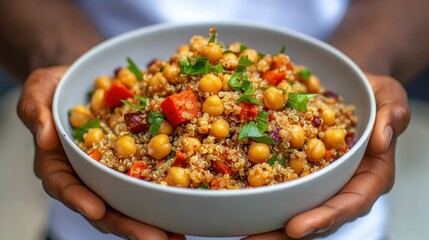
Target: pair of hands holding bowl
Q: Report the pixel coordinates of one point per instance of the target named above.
(374, 176)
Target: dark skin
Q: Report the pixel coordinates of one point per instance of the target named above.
(376, 34)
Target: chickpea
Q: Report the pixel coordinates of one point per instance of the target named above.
(171, 73)
(79, 116)
(213, 106)
(229, 60)
(313, 84)
(165, 127)
(274, 98)
(219, 129)
(252, 54)
(97, 100)
(260, 177)
(225, 85)
(92, 136)
(286, 86)
(159, 146)
(197, 43)
(157, 82)
(178, 177)
(210, 83)
(103, 82)
(190, 145)
(212, 51)
(127, 77)
(297, 136)
(183, 49)
(328, 116)
(125, 147)
(259, 152)
(315, 150)
(334, 138)
(297, 164)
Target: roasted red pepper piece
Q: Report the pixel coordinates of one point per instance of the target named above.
(180, 159)
(273, 77)
(220, 166)
(95, 154)
(137, 168)
(248, 111)
(180, 107)
(116, 93)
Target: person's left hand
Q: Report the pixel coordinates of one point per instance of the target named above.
(373, 178)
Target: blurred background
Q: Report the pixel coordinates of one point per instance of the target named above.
(24, 204)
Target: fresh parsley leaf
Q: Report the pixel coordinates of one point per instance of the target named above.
(243, 47)
(142, 103)
(243, 63)
(275, 158)
(247, 94)
(200, 66)
(305, 73)
(154, 119)
(204, 186)
(171, 155)
(262, 121)
(213, 37)
(265, 87)
(282, 50)
(299, 100)
(132, 66)
(78, 133)
(250, 130)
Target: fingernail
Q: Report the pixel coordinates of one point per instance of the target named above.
(388, 134)
(81, 212)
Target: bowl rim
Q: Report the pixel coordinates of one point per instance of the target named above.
(203, 192)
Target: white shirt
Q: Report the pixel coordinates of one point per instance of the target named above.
(317, 18)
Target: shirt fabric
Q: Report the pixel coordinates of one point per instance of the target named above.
(317, 18)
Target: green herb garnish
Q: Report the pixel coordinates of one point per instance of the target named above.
(305, 73)
(282, 50)
(243, 63)
(154, 119)
(256, 130)
(204, 186)
(299, 100)
(277, 158)
(171, 155)
(78, 133)
(132, 66)
(142, 103)
(213, 37)
(200, 66)
(247, 96)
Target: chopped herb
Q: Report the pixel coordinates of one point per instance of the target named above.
(282, 50)
(251, 130)
(299, 100)
(262, 121)
(275, 158)
(305, 73)
(243, 63)
(80, 131)
(90, 93)
(134, 69)
(265, 87)
(171, 155)
(204, 186)
(213, 37)
(242, 47)
(154, 119)
(201, 66)
(142, 103)
(247, 96)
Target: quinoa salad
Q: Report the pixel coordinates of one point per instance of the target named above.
(214, 115)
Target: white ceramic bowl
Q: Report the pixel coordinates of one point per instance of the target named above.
(206, 212)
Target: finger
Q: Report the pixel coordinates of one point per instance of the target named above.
(393, 112)
(125, 227)
(34, 107)
(371, 180)
(61, 183)
(274, 235)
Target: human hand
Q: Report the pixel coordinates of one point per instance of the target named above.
(373, 178)
(53, 168)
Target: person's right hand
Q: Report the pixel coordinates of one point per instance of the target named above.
(53, 168)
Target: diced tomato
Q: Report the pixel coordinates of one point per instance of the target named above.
(180, 107)
(248, 111)
(180, 159)
(271, 118)
(95, 154)
(220, 166)
(137, 168)
(273, 77)
(117, 92)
